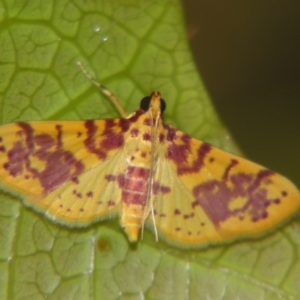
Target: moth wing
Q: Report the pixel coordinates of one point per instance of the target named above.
(60, 168)
(210, 196)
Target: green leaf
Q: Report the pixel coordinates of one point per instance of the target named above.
(133, 47)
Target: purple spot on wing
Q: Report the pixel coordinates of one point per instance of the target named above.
(44, 140)
(100, 143)
(147, 122)
(146, 136)
(215, 196)
(90, 194)
(165, 189)
(110, 177)
(161, 137)
(60, 165)
(59, 136)
(75, 180)
(177, 211)
(124, 124)
(111, 203)
(179, 153)
(91, 140)
(134, 132)
(112, 141)
(232, 164)
(276, 201)
(171, 133)
(262, 175)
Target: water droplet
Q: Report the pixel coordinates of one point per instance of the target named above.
(96, 27)
(104, 38)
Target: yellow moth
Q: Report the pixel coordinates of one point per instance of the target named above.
(147, 173)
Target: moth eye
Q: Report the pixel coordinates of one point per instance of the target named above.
(145, 103)
(163, 105)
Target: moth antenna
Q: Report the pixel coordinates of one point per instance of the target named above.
(104, 90)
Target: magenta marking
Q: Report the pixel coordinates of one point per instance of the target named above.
(134, 132)
(135, 116)
(90, 141)
(232, 164)
(110, 139)
(44, 140)
(109, 124)
(215, 196)
(110, 177)
(111, 203)
(147, 122)
(77, 194)
(146, 136)
(2, 149)
(75, 180)
(156, 188)
(161, 137)
(135, 185)
(121, 179)
(179, 154)
(59, 136)
(165, 189)
(262, 175)
(60, 165)
(177, 211)
(171, 135)
(124, 124)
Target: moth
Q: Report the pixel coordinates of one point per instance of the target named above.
(145, 172)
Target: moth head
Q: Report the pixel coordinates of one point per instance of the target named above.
(154, 102)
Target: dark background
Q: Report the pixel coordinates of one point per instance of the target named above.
(248, 53)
